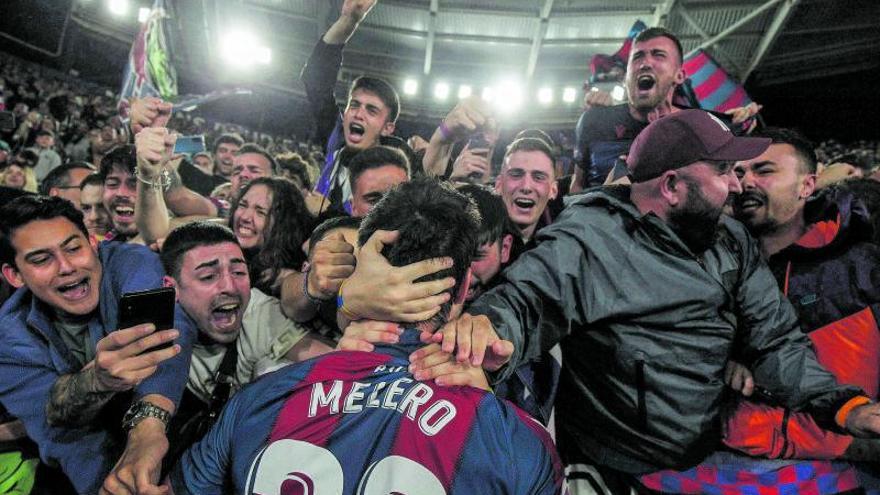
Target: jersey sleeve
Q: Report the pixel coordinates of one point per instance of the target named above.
(538, 468)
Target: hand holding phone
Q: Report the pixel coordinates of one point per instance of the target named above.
(144, 339)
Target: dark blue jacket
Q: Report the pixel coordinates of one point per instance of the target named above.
(33, 357)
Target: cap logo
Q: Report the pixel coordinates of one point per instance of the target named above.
(717, 120)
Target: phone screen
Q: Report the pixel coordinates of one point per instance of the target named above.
(154, 306)
(189, 145)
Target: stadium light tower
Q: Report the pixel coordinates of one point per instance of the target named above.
(441, 91)
(410, 87)
(569, 94)
(545, 96)
(464, 91)
(118, 7)
(241, 49)
(509, 96)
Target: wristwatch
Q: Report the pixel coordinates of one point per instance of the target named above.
(142, 410)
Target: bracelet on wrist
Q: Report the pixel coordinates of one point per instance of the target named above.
(305, 288)
(161, 182)
(444, 131)
(340, 305)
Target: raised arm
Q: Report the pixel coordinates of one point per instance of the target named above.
(321, 71)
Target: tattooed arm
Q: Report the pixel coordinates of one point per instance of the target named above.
(75, 400)
(120, 364)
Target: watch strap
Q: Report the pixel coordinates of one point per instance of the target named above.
(142, 410)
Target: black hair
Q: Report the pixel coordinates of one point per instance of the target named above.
(26, 157)
(228, 138)
(375, 157)
(288, 225)
(495, 222)
(434, 220)
(660, 32)
(92, 180)
(26, 209)
(381, 88)
(532, 144)
(802, 146)
(122, 157)
(295, 164)
(340, 222)
(259, 150)
(189, 236)
(60, 175)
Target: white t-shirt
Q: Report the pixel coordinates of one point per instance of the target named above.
(266, 337)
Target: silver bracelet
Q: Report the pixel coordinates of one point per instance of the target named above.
(161, 183)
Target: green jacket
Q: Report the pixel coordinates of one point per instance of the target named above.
(646, 328)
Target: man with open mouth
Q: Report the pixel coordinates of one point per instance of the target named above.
(526, 183)
(370, 112)
(65, 366)
(604, 133)
(120, 192)
(236, 322)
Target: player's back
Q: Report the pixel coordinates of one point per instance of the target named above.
(357, 423)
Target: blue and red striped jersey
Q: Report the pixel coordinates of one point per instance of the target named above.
(358, 423)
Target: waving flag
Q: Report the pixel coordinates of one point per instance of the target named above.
(714, 88)
(149, 71)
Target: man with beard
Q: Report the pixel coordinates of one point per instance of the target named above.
(820, 251)
(649, 296)
(120, 191)
(604, 133)
(370, 113)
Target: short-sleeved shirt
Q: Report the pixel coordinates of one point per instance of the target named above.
(266, 336)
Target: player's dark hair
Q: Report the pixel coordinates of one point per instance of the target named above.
(434, 220)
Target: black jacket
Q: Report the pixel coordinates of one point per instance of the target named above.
(646, 328)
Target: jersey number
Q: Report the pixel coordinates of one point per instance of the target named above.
(294, 467)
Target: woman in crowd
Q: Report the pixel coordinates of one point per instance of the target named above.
(271, 222)
(18, 176)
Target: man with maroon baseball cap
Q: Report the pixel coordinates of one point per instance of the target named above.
(681, 168)
(649, 291)
(687, 137)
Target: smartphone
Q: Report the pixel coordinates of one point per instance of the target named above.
(189, 145)
(478, 141)
(154, 306)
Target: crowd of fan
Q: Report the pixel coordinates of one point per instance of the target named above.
(589, 314)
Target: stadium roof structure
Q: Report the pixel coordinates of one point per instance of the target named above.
(530, 44)
(550, 42)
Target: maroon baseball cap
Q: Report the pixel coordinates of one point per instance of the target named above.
(684, 137)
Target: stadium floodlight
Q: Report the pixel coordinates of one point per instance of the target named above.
(545, 96)
(488, 94)
(509, 96)
(143, 14)
(241, 49)
(618, 93)
(410, 87)
(441, 91)
(264, 55)
(569, 94)
(464, 91)
(118, 7)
